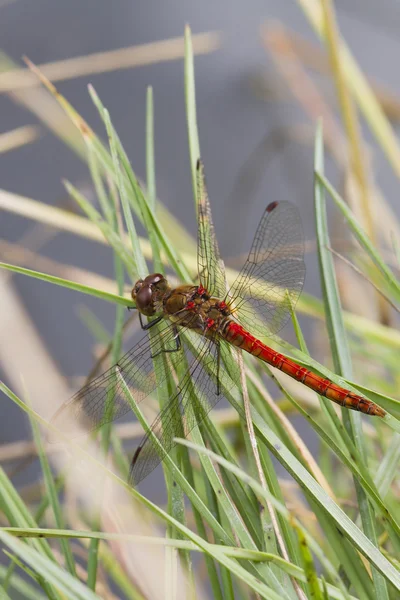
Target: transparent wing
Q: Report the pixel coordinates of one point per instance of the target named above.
(273, 275)
(103, 400)
(198, 392)
(210, 266)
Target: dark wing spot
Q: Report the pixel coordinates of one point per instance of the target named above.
(271, 206)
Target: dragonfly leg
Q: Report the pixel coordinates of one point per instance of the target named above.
(145, 326)
(178, 344)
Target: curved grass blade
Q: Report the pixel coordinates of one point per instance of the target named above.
(388, 275)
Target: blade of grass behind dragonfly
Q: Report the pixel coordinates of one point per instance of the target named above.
(200, 194)
(340, 352)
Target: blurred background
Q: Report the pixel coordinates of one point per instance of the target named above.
(261, 83)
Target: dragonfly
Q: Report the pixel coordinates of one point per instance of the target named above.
(257, 306)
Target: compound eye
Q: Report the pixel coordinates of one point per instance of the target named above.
(144, 299)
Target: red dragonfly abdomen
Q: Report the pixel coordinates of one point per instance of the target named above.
(238, 336)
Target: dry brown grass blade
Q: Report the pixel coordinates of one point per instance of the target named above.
(356, 150)
(277, 43)
(361, 91)
(18, 255)
(315, 57)
(112, 60)
(56, 217)
(10, 140)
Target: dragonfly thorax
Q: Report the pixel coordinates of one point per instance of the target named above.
(148, 294)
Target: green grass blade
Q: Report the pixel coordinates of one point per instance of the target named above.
(388, 275)
(333, 309)
(18, 514)
(21, 586)
(113, 239)
(137, 199)
(51, 490)
(71, 285)
(190, 101)
(151, 177)
(313, 585)
(231, 551)
(140, 263)
(69, 586)
(150, 159)
(339, 348)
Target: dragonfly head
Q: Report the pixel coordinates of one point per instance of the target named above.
(148, 293)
